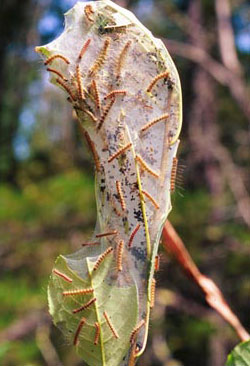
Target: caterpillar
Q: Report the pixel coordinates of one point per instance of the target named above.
(67, 88)
(120, 195)
(88, 10)
(115, 92)
(102, 257)
(151, 199)
(157, 263)
(111, 327)
(105, 113)
(58, 73)
(146, 167)
(120, 249)
(62, 275)
(173, 175)
(79, 328)
(101, 58)
(164, 75)
(152, 293)
(156, 120)
(84, 306)
(136, 330)
(82, 291)
(94, 152)
(52, 58)
(84, 49)
(109, 233)
(97, 333)
(79, 82)
(90, 114)
(130, 242)
(90, 243)
(121, 59)
(119, 152)
(97, 95)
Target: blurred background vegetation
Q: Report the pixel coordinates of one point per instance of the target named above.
(47, 203)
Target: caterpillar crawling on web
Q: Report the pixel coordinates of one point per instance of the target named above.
(117, 77)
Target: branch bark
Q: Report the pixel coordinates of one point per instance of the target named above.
(226, 36)
(218, 71)
(172, 243)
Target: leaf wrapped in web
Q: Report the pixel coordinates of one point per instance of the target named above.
(126, 92)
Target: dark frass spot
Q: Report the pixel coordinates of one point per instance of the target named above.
(138, 215)
(139, 254)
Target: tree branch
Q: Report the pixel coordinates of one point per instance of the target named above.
(226, 36)
(220, 73)
(172, 243)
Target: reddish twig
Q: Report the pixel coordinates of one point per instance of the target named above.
(172, 243)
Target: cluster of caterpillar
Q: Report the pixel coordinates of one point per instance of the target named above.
(85, 92)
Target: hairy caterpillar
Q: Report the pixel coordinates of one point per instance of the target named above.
(94, 152)
(67, 88)
(62, 275)
(83, 291)
(136, 330)
(120, 195)
(152, 295)
(157, 263)
(163, 75)
(84, 49)
(97, 95)
(156, 205)
(102, 257)
(84, 306)
(133, 235)
(173, 174)
(156, 120)
(79, 328)
(120, 249)
(97, 333)
(52, 58)
(88, 10)
(145, 166)
(121, 59)
(119, 152)
(109, 233)
(114, 332)
(79, 82)
(115, 92)
(101, 58)
(105, 113)
(58, 73)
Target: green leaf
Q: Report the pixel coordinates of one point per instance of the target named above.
(118, 299)
(240, 356)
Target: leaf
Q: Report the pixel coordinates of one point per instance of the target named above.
(240, 356)
(109, 350)
(126, 92)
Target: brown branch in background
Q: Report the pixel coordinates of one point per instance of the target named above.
(205, 138)
(226, 36)
(219, 72)
(46, 347)
(234, 179)
(25, 326)
(172, 243)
